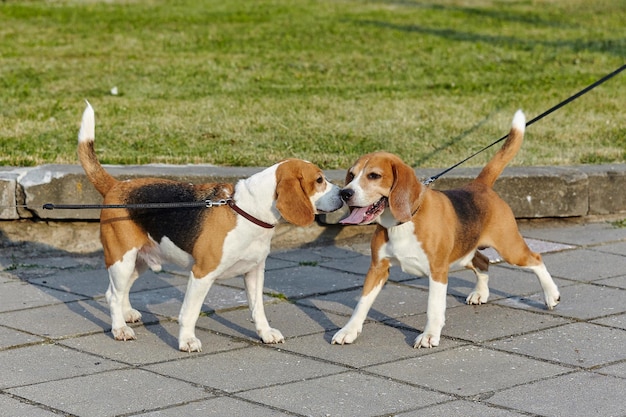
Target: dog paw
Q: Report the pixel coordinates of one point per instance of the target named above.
(345, 336)
(124, 333)
(476, 297)
(426, 340)
(552, 300)
(271, 336)
(190, 344)
(132, 316)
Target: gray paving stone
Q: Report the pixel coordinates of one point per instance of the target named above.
(461, 408)
(393, 301)
(582, 301)
(619, 282)
(586, 265)
(61, 320)
(244, 369)
(13, 407)
(291, 319)
(112, 393)
(584, 234)
(379, 343)
(480, 323)
(22, 295)
(46, 362)
(347, 394)
(455, 370)
(10, 338)
(315, 255)
(94, 283)
(616, 248)
(304, 281)
(619, 369)
(221, 406)
(618, 321)
(155, 343)
(579, 344)
(580, 394)
(6, 276)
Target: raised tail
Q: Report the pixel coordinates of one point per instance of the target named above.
(101, 179)
(496, 165)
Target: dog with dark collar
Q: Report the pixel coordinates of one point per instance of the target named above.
(425, 231)
(222, 241)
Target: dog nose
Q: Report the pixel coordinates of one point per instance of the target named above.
(346, 194)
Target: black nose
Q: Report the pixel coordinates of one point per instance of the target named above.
(346, 194)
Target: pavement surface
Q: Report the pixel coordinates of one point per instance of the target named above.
(509, 357)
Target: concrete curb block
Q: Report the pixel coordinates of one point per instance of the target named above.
(532, 192)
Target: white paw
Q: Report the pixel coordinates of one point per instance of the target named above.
(271, 336)
(190, 344)
(552, 300)
(132, 316)
(426, 340)
(346, 335)
(124, 333)
(477, 297)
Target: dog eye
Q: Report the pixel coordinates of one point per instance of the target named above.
(320, 180)
(374, 176)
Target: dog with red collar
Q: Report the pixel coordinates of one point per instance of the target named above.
(426, 231)
(222, 241)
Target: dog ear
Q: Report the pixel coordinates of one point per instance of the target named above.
(293, 203)
(405, 191)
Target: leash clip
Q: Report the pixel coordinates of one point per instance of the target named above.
(211, 203)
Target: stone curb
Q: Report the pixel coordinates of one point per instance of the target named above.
(532, 192)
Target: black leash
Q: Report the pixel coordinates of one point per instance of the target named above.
(432, 179)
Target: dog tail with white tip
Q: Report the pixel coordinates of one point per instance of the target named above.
(101, 179)
(496, 165)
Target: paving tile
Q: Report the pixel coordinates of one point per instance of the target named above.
(245, 369)
(155, 343)
(304, 281)
(393, 301)
(221, 406)
(618, 321)
(619, 369)
(579, 344)
(582, 301)
(347, 394)
(13, 407)
(585, 234)
(292, 320)
(585, 265)
(480, 323)
(7, 276)
(61, 320)
(455, 370)
(619, 282)
(10, 338)
(315, 255)
(46, 362)
(618, 248)
(461, 408)
(378, 343)
(580, 394)
(21, 295)
(94, 283)
(112, 393)
(168, 301)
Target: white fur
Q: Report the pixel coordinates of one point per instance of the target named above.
(436, 315)
(87, 130)
(353, 328)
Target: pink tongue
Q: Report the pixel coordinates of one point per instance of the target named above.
(357, 216)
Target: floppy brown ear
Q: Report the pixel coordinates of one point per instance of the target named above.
(292, 202)
(405, 191)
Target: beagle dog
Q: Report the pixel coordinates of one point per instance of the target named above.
(426, 231)
(222, 241)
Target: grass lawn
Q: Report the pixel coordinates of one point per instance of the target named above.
(248, 83)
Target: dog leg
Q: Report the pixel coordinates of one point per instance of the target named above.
(197, 290)
(480, 294)
(436, 314)
(551, 293)
(254, 288)
(374, 282)
(122, 274)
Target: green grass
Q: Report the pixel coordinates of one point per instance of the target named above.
(248, 83)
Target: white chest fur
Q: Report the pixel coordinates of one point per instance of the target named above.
(405, 250)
